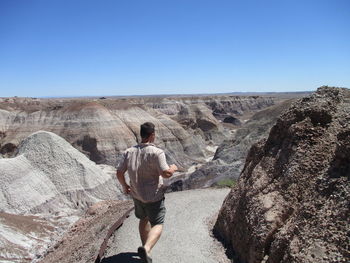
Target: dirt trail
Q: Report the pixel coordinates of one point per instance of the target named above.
(187, 233)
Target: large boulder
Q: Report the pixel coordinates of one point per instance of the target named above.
(291, 203)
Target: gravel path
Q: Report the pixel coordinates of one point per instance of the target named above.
(187, 231)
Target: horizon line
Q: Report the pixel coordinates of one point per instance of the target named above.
(163, 94)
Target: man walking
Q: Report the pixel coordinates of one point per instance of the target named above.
(146, 165)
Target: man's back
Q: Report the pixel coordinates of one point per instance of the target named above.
(145, 163)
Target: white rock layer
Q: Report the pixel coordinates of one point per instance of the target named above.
(49, 175)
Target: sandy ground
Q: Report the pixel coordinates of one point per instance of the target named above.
(187, 233)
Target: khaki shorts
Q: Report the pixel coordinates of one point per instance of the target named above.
(155, 212)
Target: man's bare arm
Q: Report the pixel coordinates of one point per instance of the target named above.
(121, 179)
(168, 173)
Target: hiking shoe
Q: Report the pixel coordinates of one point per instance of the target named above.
(143, 255)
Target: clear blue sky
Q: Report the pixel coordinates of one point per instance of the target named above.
(115, 47)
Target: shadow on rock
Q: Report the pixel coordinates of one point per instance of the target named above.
(128, 257)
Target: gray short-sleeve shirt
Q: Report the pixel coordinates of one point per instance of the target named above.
(144, 164)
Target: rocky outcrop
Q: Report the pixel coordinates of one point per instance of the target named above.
(291, 203)
(82, 242)
(48, 175)
(103, 129)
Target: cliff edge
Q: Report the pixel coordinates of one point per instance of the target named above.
(291, 203)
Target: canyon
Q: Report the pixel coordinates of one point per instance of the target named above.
(58, 157)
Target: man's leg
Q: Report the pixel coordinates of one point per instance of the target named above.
(153, 236)
(144, 228)
(155, 214)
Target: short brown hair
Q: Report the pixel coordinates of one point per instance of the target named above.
(146, 130)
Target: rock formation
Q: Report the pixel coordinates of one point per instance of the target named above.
(49, 175)
(291, 203)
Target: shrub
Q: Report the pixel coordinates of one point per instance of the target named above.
(226, 183)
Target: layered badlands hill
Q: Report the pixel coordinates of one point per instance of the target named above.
(104, 128)
(291, 203)
(48, 174)
(45, 188)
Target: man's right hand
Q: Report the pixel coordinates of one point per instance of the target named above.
(173, 167)
(168, 173)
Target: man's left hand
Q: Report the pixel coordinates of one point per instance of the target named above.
(126, 189)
